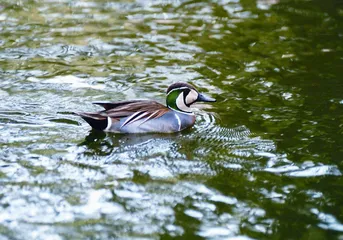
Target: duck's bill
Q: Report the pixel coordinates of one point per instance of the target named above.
(204, 98)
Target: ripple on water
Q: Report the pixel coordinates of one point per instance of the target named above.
(306, 169)
(240, 145)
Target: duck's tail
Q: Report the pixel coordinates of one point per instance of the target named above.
(95, 120)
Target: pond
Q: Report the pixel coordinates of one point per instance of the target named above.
(263, 162)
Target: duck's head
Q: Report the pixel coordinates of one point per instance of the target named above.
(180, 96)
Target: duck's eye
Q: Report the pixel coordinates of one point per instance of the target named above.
(191, 97)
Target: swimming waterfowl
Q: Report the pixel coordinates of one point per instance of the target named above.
(146, 116)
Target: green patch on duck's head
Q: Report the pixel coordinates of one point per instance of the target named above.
(173, 97)
(180, 96)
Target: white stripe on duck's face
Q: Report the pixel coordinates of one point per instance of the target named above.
(183, 102)
(180, 103)
(191, 97)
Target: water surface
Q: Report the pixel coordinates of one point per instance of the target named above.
(264, 162)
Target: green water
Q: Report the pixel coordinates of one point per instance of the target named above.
(264, 162)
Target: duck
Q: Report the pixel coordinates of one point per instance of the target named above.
(147, 116)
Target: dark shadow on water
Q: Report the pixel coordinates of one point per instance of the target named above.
(103, 144)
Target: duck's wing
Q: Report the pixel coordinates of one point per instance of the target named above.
(110, 105)
(132, 110)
